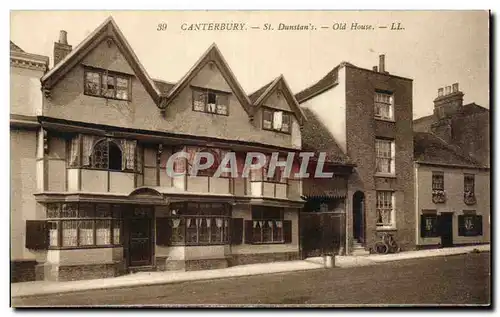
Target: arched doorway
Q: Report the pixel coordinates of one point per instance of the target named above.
(358, 216)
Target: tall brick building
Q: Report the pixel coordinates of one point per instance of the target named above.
(369, 113)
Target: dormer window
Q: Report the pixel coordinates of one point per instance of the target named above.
(276, 120)
(210, 101)
(102, 83)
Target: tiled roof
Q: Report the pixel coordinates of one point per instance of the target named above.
(14, 47)
(163, 86)
(316, 138)
(429, 148)
(327, 81)
(471, 108)
(255, 95)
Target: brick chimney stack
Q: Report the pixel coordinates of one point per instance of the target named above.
(381, 63)
(61, 48)
(448, 101)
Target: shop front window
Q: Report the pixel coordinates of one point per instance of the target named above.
(83, 225)
(195, 223)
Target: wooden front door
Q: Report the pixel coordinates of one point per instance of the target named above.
(446, 229)
(140, 225)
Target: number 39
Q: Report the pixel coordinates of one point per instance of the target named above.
(162, 27)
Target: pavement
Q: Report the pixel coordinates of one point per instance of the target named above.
(158, 278)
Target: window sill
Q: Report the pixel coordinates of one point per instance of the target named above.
(385, 175)
(386, 228)
(86, 247)
(277, 131)
(103, 97)
(385, 120)
(265, 243)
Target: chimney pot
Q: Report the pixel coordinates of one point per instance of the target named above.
(455, 87)
(448, 90)
(381, 63)
(61, 47)
(63, 37)
(375, 68)
(440, 92)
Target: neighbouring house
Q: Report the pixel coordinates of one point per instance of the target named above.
(452, 159)
(25, 105)
(369, 113)
(322, 221)
(452, 193)
(93, 197)
(466, 126)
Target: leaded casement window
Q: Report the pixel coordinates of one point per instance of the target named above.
(210, 101)
(102, 83)
(276, 120)
(193, 223)
(103, 153)
(469, 189)
(83, 225)
(385, 209)
(385, 153)
(470, 224)
(384, 106)
(267, 223)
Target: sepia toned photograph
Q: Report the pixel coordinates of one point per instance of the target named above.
(250, 159)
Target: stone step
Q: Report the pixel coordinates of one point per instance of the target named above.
(359, 252)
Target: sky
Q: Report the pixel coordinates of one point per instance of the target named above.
(435, 49)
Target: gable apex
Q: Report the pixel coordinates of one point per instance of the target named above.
(108, 29)
(212, 54)
(281, 84)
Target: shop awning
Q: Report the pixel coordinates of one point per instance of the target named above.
(335, 187)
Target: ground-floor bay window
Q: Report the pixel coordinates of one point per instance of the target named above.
(193, 223)
(83, 225)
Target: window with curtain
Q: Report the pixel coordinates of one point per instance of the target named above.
(276, 120)
(104, 153)
(267, 224)
(469, 189)
(385, 209)
(73, 225)
(384, 106)
(384, 151)
(194, 223)
(102, 83)
(210, 101)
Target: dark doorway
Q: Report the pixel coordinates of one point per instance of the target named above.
(358, 216)
(140, 232)
(446, 229)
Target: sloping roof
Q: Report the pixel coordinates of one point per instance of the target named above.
(256, 94)
(280, 83)
(328, 81)
(316, 138)
(14, 47)
(428, 148)
(108, 28)
(212, 54)
(472, 108)
(163, 86)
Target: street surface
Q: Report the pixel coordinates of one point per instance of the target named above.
(459, 279)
